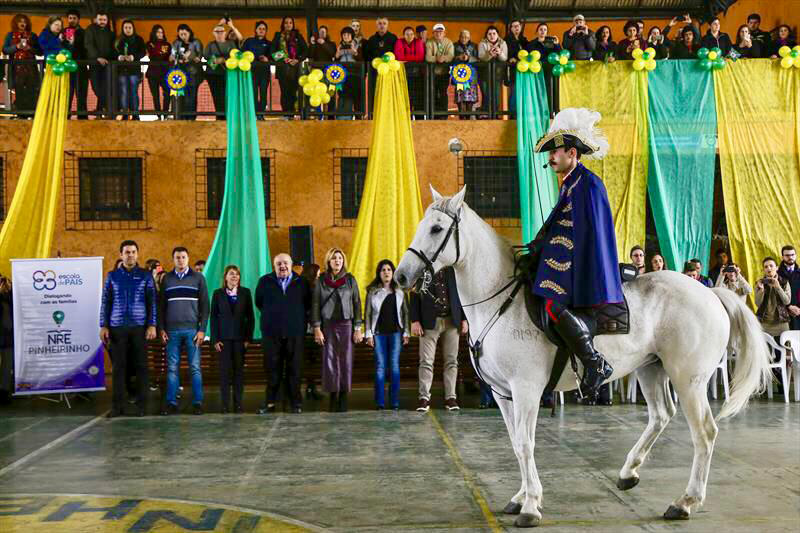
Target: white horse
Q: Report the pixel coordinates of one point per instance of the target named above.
(679, 331)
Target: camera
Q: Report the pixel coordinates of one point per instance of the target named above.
(347, 46)
(227, 18)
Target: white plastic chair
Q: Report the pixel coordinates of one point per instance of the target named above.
(774, 348)
(633, 383)
(722, 370)
(792, 340)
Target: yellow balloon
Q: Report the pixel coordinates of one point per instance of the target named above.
(522, 54)
(536, 67)
(315, 101)
(563, 60)
(244, 65)
(375, 62)
(315, 75)
(712, 55)
(383, 68)
(784, 51)
(326, 98)
(61, 58)
(302, 80)
(650, 50)
(787, 62)
(308, 90)
(638, 64)
(650, 64)
(249, 56)
(523, 66)
(320, 89)
(394, 65)
(390, 55)
(637, 53)
(797, 47)
(231, 62)
(536, 55)
(233, 53)
(796, 63)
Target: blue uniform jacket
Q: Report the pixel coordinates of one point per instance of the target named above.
(129, 299)
(578, 263)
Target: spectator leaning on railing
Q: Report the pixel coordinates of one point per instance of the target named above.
(745, 46)
(411, 50)
(216, 53)
(349, 51)
(131, 49)
(605, 47)
(439, 52)
(187, 53)
(381, 42)
(289, 49)
(51, 39)
(579, 39)
(158, 51)
(543, 42)
(259, 45)
(100, 49)
(322, 49)
(631, 42)
(757, 34)
(783, 38)
(466, 51)
(682, 47)
(715, 38)
(515, 41)
(492, 50)
(21, 44)
(78, 80)
(658, 42)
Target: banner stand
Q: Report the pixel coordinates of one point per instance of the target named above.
(62, 398)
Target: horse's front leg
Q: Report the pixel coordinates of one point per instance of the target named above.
(526, 410)
(507, 409)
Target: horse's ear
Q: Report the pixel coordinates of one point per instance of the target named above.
(455, 202)
(435, 194)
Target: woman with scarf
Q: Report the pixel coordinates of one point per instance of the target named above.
(348, 53)
(21, 44)
(336, 319)
(288, 51)
(131, 49)
(158, 50)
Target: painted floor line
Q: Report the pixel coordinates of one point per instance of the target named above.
(54, 444)
(26, 428)
(469, 477)
(252, 469)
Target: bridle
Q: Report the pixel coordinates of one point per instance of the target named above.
(427, 277)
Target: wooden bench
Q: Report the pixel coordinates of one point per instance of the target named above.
(363, 364)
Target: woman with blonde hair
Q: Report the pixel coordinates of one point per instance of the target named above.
(336, 319)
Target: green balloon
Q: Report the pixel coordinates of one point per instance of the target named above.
(569, 67)
(552, 58)
(558, 70)
(51, 59)
(70, 65)
(719, 63)
(794, 53)
(58, 69)
(702, 53)
(66, 53)
(646, 56)
(705, 64)
(565, 52)
(718, 51)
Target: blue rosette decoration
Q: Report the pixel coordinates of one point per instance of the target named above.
(177, 81)
(336, 75)
(463, 76)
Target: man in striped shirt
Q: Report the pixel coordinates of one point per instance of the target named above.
(182, 319)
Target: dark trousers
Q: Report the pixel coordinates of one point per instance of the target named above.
(154, 85)
(288, 76)
(440, 84)
(127, 346)
(231, 361)
(283, 357)
(261, 79)
(79, 86)
(100, 87)
(217, 86)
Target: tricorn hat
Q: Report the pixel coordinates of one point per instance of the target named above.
(574, 127)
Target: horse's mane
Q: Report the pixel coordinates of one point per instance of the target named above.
(443, 205)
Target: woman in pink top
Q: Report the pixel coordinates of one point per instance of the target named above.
(412, 50)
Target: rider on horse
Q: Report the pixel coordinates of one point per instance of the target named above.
(576, 250)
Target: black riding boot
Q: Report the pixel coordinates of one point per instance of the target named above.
(342, 402)
(579, 339)
(333, 406)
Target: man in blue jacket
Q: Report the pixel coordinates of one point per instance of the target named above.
(127, 321)
(576, 247)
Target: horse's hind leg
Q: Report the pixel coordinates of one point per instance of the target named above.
(694, 402)
(507, 409)
(653, 381)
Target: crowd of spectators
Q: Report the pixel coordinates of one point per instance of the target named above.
(289, 55)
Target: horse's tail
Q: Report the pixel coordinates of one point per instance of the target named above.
(752, 372)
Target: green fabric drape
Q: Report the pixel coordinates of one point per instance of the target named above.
(241, 237)
(682, 128)
(538, 186)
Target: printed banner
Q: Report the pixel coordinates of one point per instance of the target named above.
(57, 344)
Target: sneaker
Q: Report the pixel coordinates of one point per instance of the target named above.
(169, 409)
(424, 405)
(451, 404)
(198, 409)
(269, 408)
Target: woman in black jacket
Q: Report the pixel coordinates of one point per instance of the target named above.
(745, 46)
(714, 38)
(232, 321)
(289, 49)
(130, 49)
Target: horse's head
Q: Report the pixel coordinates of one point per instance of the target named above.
(437, 243)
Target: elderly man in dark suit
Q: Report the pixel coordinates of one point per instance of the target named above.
(284, 299)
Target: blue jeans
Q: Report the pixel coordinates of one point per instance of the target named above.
(129, 93)
(388, 346)
(487, 398)
(178, 338)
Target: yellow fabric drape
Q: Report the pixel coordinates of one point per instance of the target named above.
(391, 205)
(758, 122)
(619, 94)
(28, 228)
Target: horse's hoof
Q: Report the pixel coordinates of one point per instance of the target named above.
(676, 513)
(512, 508)
(527, 520)
(627, 484)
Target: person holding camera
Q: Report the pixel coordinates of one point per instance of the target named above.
(321, 48)
(579, 40)
(631, 41)
(187, 53)
(733, 280)
(745, 46)
(772, 299)
(658, 42)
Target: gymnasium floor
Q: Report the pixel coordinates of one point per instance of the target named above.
(72, 470)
